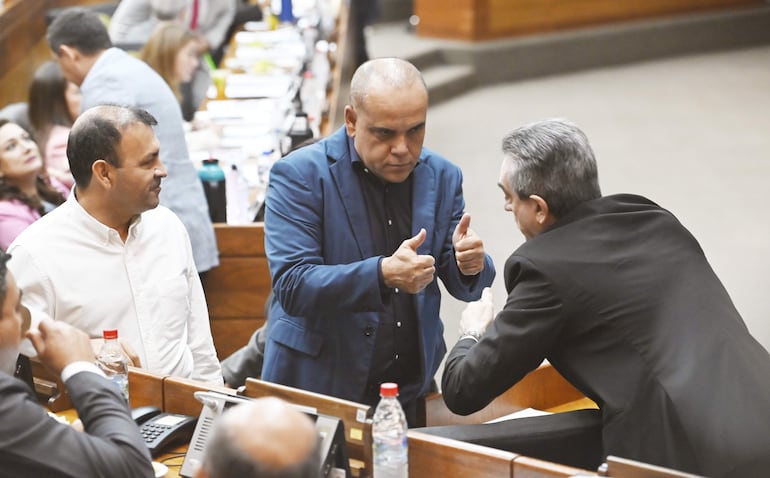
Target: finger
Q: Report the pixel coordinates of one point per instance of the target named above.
(416, 241)
(486, 295)
(78, 425)
(463, 225)
(37, 340)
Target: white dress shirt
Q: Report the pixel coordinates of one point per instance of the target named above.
(75, 269)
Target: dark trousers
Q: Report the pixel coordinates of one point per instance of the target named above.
(570, 438)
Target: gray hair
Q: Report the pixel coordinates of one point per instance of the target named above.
(552, 159)
(389, 72)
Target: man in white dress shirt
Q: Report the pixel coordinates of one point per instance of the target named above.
(111, 257)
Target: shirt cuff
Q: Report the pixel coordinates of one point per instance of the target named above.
(76, 367)
(469, 336)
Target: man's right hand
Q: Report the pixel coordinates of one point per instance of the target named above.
(59, 344)
(406, 270)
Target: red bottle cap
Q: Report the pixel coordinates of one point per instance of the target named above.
(109, 334)
(389, 389)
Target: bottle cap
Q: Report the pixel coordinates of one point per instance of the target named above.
(210, 161)
(389, 389)
(110, 334)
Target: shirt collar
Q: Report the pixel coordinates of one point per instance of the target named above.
(99, 230)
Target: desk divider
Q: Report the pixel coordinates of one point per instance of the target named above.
(178, 395)
(526, 467)
(355, 416)
(144, 388)
(431, 455)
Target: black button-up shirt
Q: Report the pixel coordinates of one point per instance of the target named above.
(397, 346)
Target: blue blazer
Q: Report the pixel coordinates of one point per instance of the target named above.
(327, 297)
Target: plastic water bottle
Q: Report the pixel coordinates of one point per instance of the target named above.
(213, 178)
(389, 443)
(112, 360)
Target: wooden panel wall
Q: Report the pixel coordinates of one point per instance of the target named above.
(236, 291)
(487, 19)
(22, 43)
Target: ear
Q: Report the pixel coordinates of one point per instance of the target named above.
(103, 173)
(68, 52)
(542, 212)
(350, 120)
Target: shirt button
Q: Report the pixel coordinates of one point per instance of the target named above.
(368, 331)
(390, 223)
(396, 356)
(395, 290)
(398, 324)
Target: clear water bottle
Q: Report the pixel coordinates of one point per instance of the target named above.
(112, 360)
(389, 443)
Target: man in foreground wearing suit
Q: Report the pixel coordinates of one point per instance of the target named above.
(357, 226)
(621, 300)
(34, 444)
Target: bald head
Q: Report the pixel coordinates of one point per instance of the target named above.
(265, 437)
(384, 75)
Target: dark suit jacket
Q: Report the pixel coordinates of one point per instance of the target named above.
(620, 298)
(35, 445)
(323, 321)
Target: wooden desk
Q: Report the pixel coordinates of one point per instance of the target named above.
(428, 455)
(542, 389)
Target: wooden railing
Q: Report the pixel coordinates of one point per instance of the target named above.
(486, 19)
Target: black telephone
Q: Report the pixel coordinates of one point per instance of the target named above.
(160, 430)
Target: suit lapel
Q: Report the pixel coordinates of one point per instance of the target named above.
(352, 198)
(424, 204)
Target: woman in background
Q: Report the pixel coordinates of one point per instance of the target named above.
(25, 191)
(54, 104)
(172, 51)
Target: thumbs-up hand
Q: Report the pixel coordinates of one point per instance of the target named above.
(469, 248)
(477, 315)
(405, 269)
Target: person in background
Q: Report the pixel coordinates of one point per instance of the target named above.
(34, 444)
(26, 193)
(358, 228)
(54, 103)
(172, 51)
(134, 21)
(111, 257)
(263, 437)
(107, 75)
(620, 298)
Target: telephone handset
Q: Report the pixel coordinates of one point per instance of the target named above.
(160, 430)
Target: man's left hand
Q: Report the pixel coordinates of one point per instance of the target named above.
(469, 248)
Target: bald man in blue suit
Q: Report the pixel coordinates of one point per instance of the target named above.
(357, 229)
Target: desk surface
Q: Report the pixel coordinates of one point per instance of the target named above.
(173, 459)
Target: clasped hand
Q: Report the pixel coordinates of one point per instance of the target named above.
(478, 315)
(469, 248)
(406, 270)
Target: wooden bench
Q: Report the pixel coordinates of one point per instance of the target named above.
(236, 291)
